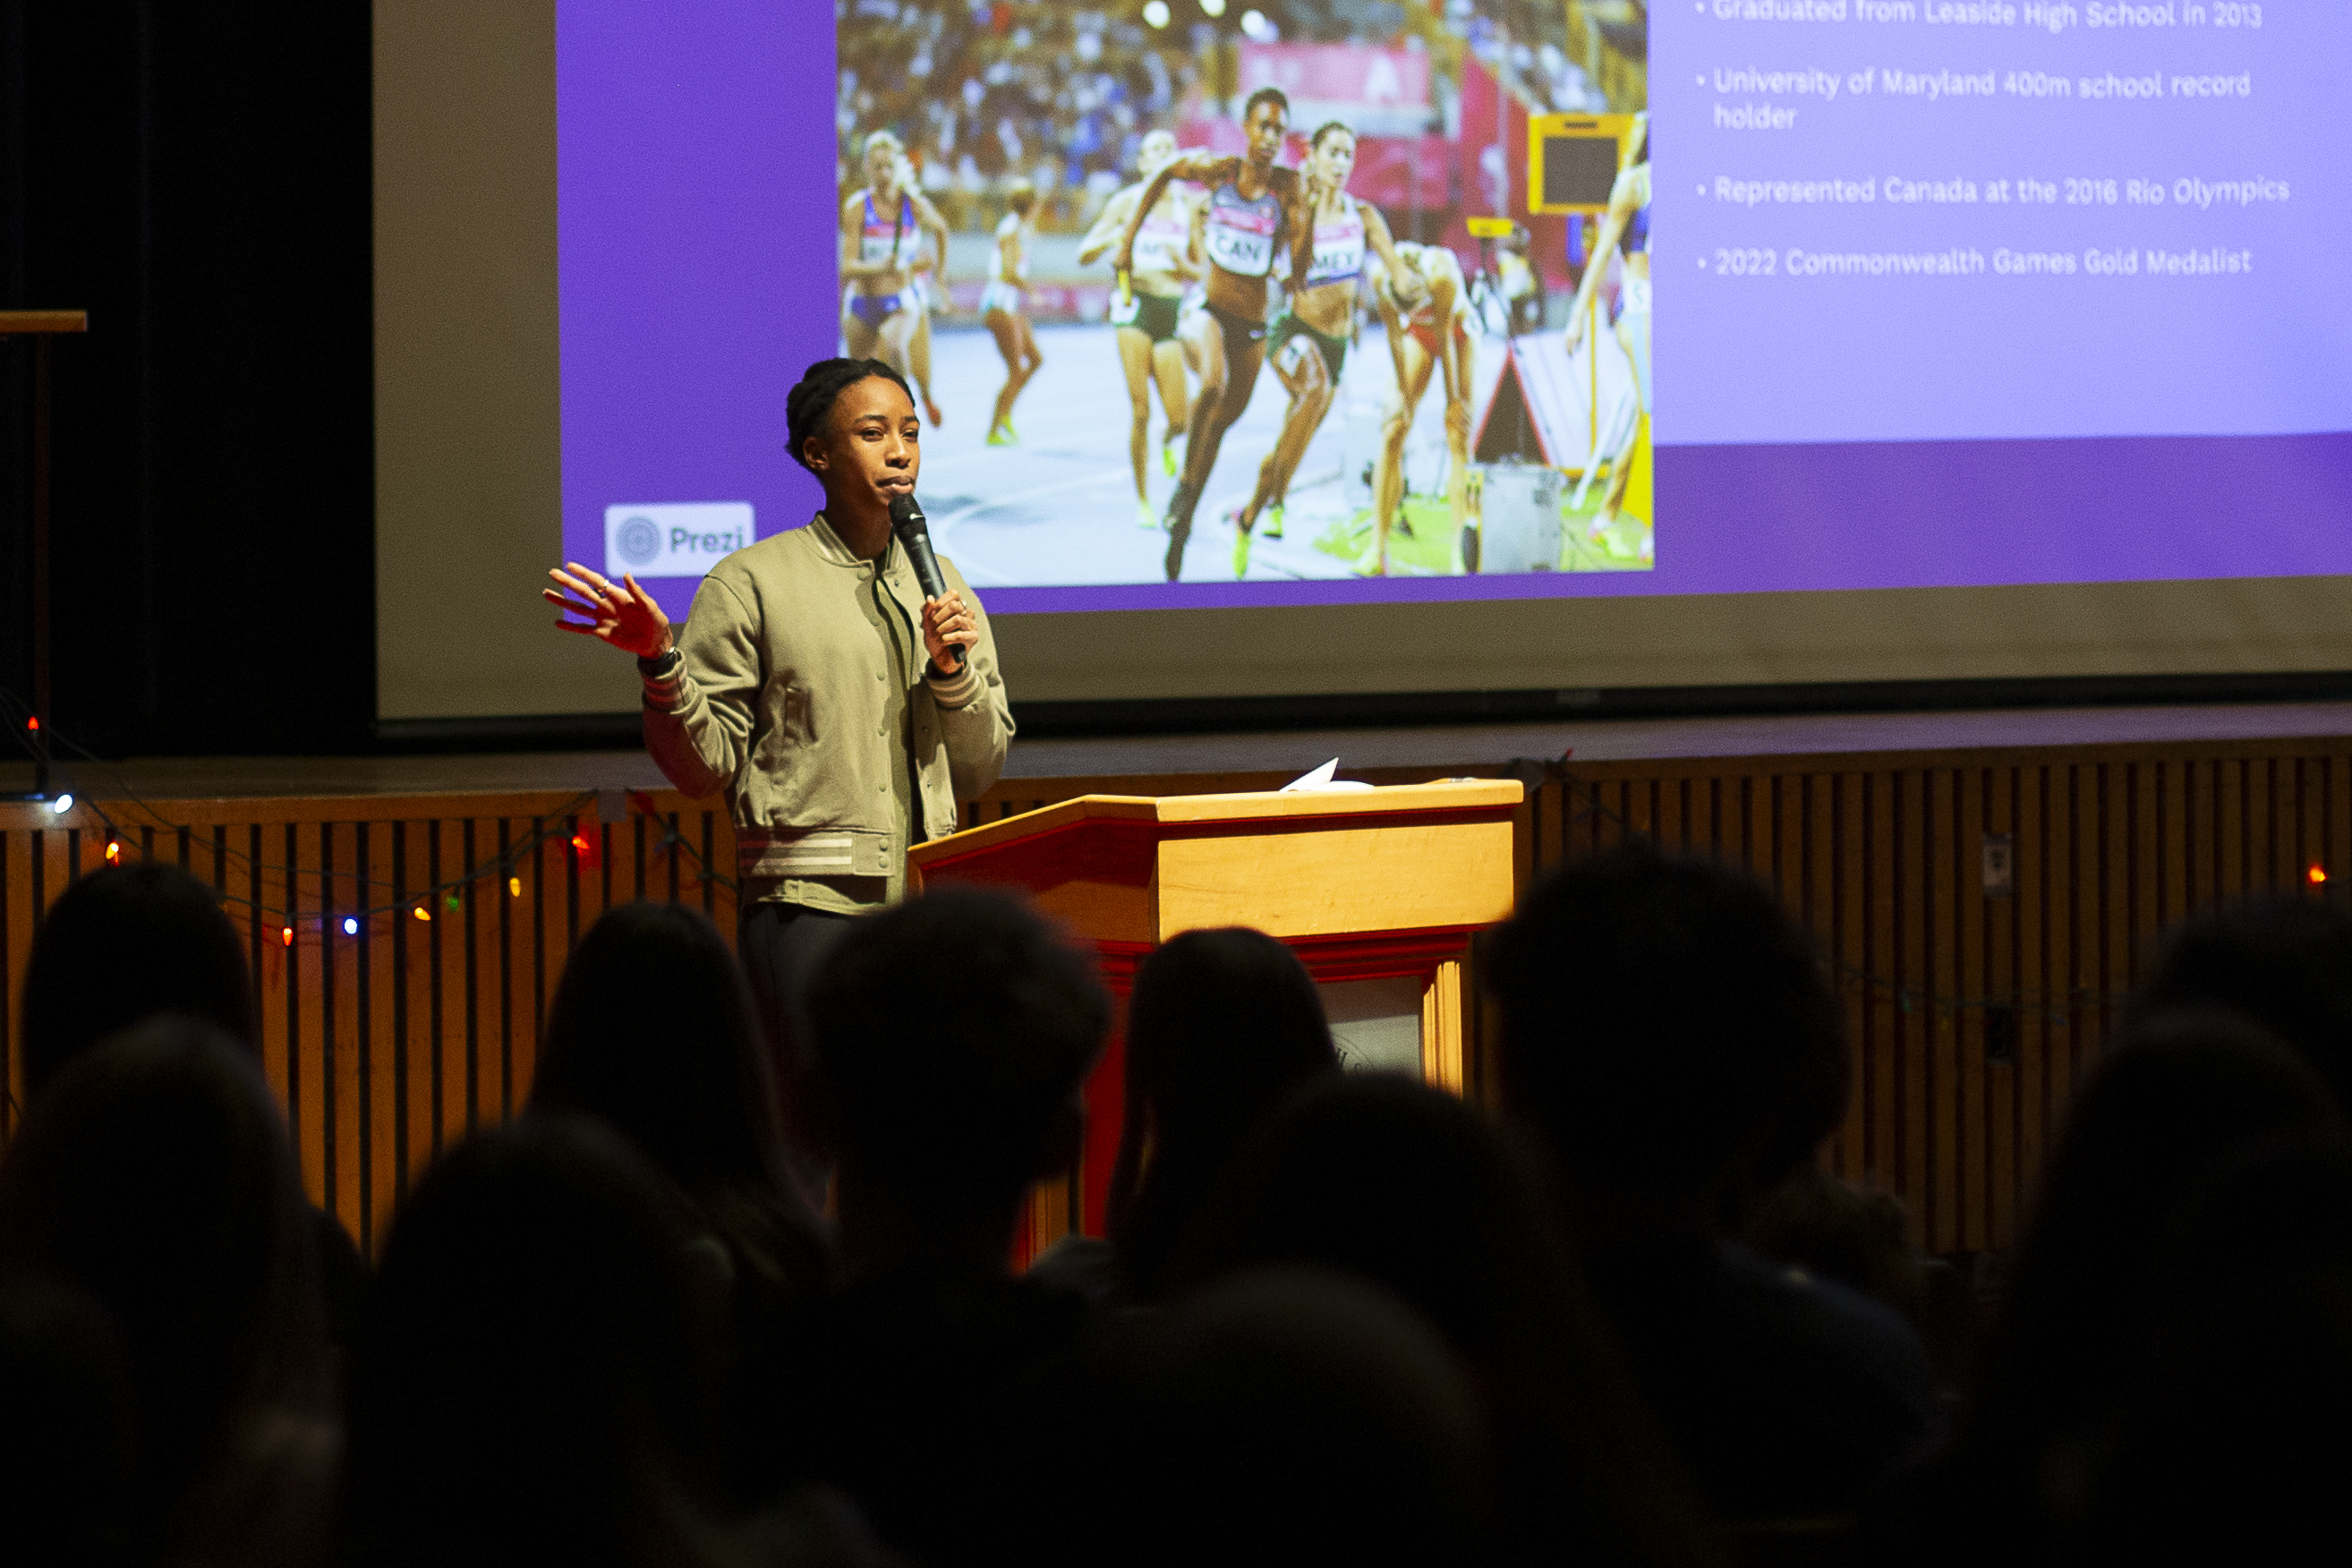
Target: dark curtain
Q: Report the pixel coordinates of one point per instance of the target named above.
(198, 177)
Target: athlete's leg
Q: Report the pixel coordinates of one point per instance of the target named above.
(1005, 328)
(1018, 344)
(1315, 406)
(918, 357)
(1135, 363)
(1620, 467)
(858, 340)
(1459, 365)
(1301, 369)
(1209, 345)
(890, 339)
(1168, 370)
(1197, 341)
(1388, 471)
(1243, 351)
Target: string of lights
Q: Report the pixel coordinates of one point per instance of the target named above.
(297, 926)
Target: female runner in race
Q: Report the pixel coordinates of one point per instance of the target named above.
(1002, 303)
(884, 315)
(1146, 307)
(1428, 322)
(1248, 223)
(1626, 225)
(1307, 342)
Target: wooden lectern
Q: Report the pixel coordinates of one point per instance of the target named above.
(1378, 884)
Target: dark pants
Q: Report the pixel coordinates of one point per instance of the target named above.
(780, 947)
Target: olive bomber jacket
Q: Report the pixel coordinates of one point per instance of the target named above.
(800, 669)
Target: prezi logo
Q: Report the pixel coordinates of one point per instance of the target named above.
(674, 539)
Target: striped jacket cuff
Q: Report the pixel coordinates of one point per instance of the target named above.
(953, 691)
(666, 692)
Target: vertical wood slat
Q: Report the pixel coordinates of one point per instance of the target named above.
(345, 1045)
(272, 852)
(486, 897)
(2336, 855)
(1837, 824)
(2122, 895)
(380, 1128)
(454, 953)
(1945, 944)
(1973, 918)
(308, 993)
(2005, 946)
(2045, 1017)
(1915, 1025)
(420, 1039)
(520, 981)
(20, 911)
(2085, 942)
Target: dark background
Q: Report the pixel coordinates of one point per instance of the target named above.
(198, 177)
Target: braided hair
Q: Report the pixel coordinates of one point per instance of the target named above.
(810, 403)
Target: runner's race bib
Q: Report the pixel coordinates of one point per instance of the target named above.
(1159, 242)
(1241, 238)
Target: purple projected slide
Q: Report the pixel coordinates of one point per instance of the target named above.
(1946, 292)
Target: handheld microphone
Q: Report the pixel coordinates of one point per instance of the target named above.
(914, 533)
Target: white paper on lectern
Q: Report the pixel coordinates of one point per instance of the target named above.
(1321, 781)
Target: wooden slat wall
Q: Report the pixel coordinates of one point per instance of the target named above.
(1972, 1018)
(388, 1044)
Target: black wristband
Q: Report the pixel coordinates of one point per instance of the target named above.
(663, 668)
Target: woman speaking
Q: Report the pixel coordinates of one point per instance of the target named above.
(816, 685)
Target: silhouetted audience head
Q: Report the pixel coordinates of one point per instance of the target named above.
(535, 1382)
(2178, 1093)
(120, 945)
(1406, 1188)
(69, 1429)
(1375, 1175)
(2233, 1446)
(1666, 1026)
(154, 1177)
(2283, 963)
(652, 1032)
(1839, 1231)
(1670, 1033)
(1293, 1416)
(952, 1034)
(1222, 1025)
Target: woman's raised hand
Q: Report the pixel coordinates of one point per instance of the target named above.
(620, 612)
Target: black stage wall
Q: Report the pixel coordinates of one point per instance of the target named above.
(196, 176)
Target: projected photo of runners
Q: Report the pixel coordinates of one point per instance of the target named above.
(1088, 233)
